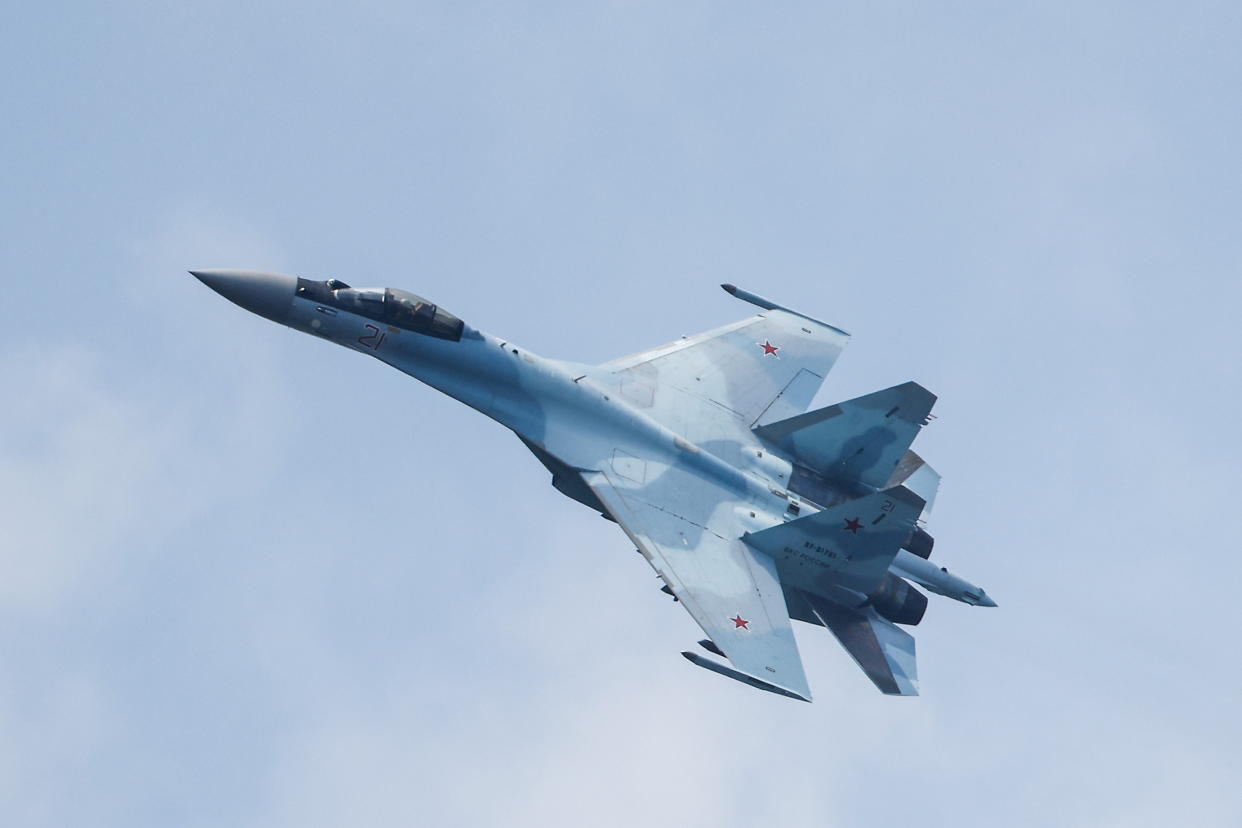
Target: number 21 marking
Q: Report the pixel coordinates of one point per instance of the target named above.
(373, 339)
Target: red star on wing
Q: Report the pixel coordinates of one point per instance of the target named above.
(853, 525)
(768, 348)
(739, 621)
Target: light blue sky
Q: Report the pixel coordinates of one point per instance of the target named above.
(248, 579)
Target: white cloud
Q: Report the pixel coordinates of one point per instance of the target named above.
(101, 453)
(79, 466)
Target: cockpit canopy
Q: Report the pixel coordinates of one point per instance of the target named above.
(398, 308)
(414, 313)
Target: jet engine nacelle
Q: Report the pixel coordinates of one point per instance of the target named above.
(919, 543)
(897, 601)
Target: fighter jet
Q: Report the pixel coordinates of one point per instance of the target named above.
(752, 510)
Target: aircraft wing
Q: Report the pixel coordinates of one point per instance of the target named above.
(722, 383)
(732, 591)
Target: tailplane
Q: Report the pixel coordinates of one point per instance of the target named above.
(863, 439)
(883, 651)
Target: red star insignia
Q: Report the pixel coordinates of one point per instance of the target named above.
(853, 525)
(768, 348)
(739, 621)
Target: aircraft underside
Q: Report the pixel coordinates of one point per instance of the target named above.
(753, 510)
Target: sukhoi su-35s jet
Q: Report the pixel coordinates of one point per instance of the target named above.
(751, 509)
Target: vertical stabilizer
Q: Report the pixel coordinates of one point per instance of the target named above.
(920, 478)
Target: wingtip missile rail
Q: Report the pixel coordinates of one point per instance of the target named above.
(737, 675)
(768, 304)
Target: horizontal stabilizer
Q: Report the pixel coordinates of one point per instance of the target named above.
(862, 439)
(883, 651)
(849, 545)
(744, 678)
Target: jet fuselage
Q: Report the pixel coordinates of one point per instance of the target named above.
(552, 405)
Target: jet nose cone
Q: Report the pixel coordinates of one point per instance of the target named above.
(270, 295)
(985, 600)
